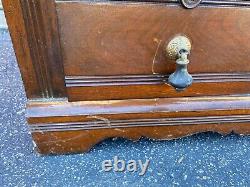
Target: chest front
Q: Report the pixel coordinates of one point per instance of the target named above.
(158, 69)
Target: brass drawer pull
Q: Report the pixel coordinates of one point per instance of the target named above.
(178, 49)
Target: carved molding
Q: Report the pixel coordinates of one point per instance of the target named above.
(236, 3)
(33, 28)
(103, 123)
(83, 140)
(81, 81)
(41, 26)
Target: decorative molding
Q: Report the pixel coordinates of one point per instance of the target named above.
(82, 81)
(232, 3)
(226, 3)
(66, 127)
(34, 31)
(83, 140)
(104, 123)
(175, 106)
(41, 26)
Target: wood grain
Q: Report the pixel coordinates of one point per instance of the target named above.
(127, 39)
(216, 3)
(153, 86)
(76, 127)
(114, 52)
(34, 30)
(149, 91)
(105, 123)
(83, 81)
(14, 15)
(175, 106)
(83, 141)
(123, 40)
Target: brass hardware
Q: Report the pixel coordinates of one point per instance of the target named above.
(176, 44)
(190, 3)
(178, 49)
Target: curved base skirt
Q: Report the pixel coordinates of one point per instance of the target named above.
(64, 127)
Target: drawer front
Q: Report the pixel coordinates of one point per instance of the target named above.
(118, 50)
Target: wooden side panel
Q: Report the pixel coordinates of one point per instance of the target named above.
(34, 31)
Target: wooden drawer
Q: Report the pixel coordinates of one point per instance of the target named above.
(117, 51)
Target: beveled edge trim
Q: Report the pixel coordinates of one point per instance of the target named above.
(37, 109)
(223, 3)
(104, 124)
(226, 3)
(116, 80)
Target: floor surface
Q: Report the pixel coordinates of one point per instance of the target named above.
(3, 23)
(207, 159)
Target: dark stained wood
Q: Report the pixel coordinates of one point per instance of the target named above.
(130, 39)
(217, 3)
(113, 54)
(75, 127)
(37, 109)
(82, 141)
(121, 39)
(78, 81)
(155, 91)
(224, 3)
(14, 14)
(153, 86)
(34, 30)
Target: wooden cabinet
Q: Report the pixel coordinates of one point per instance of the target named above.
(94, 70)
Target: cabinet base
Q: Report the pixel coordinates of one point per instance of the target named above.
(74, 127)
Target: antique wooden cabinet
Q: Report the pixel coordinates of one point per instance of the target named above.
(160, 69)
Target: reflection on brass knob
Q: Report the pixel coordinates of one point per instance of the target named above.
(179, 49)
